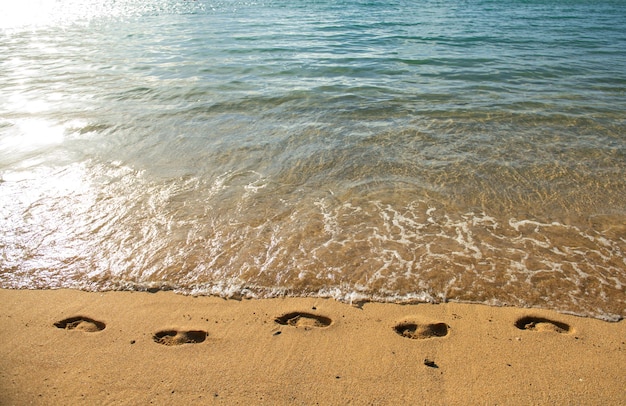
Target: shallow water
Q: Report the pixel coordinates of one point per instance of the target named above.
(364, 150)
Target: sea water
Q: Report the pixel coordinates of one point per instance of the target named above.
(412, 151)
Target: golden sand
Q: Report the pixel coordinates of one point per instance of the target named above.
(68, 347)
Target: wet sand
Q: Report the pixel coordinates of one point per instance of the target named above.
(66, 347)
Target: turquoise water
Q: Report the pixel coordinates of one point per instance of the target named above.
(364, 150)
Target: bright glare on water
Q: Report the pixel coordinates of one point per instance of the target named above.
(362, 150)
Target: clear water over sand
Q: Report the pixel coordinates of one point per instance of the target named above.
(396, 150)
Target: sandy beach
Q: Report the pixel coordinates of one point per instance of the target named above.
(69, 347)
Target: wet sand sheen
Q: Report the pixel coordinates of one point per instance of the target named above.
(65, 346)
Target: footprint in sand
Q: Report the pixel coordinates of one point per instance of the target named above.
(304, 320)
(175, 337)
(81, 323)
(419, 331)
(542, 324)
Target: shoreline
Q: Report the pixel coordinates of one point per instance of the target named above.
(65, 346)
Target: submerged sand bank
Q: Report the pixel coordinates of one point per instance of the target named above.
(64, 347)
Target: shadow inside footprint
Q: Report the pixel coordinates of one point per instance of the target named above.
(175, 337)
(81, 323)
(306, 320)
(541, 324)
(420, 331)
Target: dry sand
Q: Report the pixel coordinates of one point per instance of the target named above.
(69, 347)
